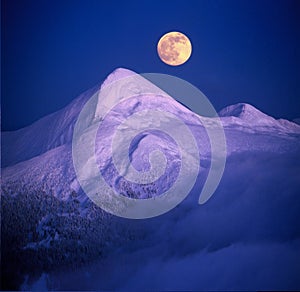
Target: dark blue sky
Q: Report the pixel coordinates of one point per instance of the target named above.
(243, 51)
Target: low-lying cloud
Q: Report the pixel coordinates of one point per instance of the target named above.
(246, 237)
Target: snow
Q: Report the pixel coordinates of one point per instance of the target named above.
(56, 129)
(244, 111)
(297, 121)
(245, 237)
(45, 134)
(41, 151)
(250, 118)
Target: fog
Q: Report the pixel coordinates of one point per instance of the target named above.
(246, 237)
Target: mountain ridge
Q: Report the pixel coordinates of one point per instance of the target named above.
(56, 129)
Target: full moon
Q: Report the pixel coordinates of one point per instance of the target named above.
(174, 48)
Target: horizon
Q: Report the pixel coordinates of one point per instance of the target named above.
(179, 101)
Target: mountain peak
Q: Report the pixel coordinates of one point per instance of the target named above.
(117, 74)
(296, 121)
(243, 111)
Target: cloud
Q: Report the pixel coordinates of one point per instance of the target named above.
(246, 237)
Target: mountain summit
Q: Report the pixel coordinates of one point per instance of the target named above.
(50, 131)
(245, 112)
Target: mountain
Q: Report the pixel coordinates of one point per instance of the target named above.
(45, 134)
(56, 129)
(49, 222)
(245, 112)
(41, 152)
(249, 116)
(297, 121)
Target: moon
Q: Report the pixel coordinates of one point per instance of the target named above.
(174, 48)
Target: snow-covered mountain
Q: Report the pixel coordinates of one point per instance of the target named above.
(27, 150)
(45, 134)
(56, 129)
(248, 116)
(41, 152)
(297, 121)
(38, 176)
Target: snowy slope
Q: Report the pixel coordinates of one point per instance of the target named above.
(297, 121)
(56, 129)
(250, 118)
(262, 154)
(44, 148)
(51, 131)
(45, 134)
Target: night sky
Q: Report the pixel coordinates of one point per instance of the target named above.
(243, 51)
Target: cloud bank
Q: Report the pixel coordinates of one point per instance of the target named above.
(247, 237)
